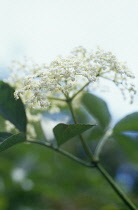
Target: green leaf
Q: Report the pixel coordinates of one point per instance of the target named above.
(96, 133)
(129, 145)
(128, 123)
(2, 124)
(11, 140)
(97, 108)
(65, 132)
(11, 109)
(4, 135)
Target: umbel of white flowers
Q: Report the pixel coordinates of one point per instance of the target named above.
(65, 75)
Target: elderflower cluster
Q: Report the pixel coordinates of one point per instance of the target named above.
(66, 75)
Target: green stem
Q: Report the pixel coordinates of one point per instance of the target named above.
(94, 160)
(57, 99)
(101, 144)
(70, 156)
(85, 146)
(64, 100)
(80, 90)
(119, 192)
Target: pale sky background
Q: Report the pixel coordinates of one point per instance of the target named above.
(44, 29)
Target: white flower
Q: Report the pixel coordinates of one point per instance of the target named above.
(65, 75)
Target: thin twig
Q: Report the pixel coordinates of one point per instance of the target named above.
(57, 99)
(79, 91)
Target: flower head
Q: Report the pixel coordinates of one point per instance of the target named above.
(65, 75)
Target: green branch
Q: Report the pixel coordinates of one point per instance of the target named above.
(95, 159)
(48, 145)
(85, 146)
(118, 191)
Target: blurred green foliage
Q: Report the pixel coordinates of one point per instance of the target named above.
(33, 177)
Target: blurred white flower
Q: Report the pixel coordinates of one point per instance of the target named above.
(9, 126)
